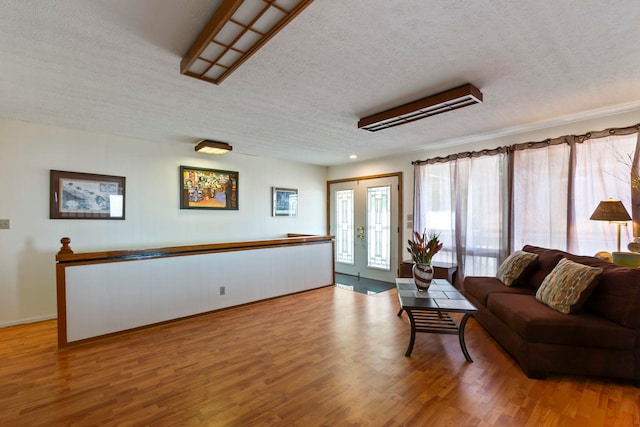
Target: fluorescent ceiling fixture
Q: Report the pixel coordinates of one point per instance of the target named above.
(442, 102)
(212, 147)
(235, 32)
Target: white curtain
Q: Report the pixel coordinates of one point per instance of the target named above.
(482, 213)
(540, 196)
(602, 171)
(484, 210)
(556, 188)
(466, 201)
(435, 211)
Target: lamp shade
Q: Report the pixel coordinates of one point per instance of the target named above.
(610, 210)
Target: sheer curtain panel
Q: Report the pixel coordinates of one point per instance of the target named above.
(465, 200)
(487, 204)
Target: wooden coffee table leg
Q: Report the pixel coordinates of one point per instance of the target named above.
(463, 323)
(413, 334)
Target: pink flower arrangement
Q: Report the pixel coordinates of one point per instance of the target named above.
(424, 246)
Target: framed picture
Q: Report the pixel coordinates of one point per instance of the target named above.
(208, 189)
(76, 195)
(285, 201)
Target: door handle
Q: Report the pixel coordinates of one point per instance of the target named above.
(360, 234)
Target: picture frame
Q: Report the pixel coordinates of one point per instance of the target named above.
(79, 195)
(284, 201)
(215, 189)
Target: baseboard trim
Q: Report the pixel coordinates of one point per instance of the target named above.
(25, 321)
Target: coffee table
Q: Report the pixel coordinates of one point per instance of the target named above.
(428, 311)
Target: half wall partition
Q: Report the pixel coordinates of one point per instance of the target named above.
(105, 293)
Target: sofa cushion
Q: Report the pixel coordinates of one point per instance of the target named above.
(516, 264)
(568, 286)
(547, 260)
(481, 287)
(538, 323)
(617, 296)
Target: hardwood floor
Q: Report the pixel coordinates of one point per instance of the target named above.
(327, 357)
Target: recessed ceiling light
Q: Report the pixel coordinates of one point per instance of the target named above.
(353, 156)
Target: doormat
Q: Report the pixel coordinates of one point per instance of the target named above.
(362, 285)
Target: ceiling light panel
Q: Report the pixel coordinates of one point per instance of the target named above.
(213, 147)
(237, 29)
(442, 102)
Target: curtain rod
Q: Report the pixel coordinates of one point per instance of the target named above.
(566, 139)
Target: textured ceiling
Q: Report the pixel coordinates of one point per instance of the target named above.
(112, 66)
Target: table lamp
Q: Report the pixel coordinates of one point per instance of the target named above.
(613, 211)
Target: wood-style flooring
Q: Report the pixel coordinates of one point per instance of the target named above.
(327, 357)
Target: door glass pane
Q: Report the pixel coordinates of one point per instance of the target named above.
(379, 227)
(344, 226)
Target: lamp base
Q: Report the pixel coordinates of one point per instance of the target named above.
(626, 259)
(634, 245)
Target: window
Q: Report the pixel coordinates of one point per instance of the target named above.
(540, 196)
(379, 227)
(556, 186)
(344, 227)
(464, 200)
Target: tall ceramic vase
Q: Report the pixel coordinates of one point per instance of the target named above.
(422, 275)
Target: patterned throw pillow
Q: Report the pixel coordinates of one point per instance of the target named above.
(513, 267)
(568, 286)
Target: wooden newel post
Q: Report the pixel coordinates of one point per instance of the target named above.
(65, 248)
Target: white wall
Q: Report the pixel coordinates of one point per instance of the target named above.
(153, 215)
(402, 162)
(116, 296)
(153, 218)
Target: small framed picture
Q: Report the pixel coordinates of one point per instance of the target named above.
(285, 201)
(76, 195)
(208, 189)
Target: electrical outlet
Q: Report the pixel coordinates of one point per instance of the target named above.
(5, 224)
(223, 291)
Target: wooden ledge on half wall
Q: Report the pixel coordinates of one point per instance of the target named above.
(66, 254)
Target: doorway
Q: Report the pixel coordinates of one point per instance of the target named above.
(363, 215)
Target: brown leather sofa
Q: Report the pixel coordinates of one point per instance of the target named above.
(601, 339)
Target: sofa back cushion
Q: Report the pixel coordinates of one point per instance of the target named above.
(617, 295)
(547, 260)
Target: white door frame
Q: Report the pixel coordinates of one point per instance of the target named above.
(363, 178)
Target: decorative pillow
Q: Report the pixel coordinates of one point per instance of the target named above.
(513, 267)
(568, 286)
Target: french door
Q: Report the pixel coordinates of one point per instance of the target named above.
(363, 217)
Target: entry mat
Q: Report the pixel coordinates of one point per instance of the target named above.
(362, 285)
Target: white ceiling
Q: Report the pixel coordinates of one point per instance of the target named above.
(112, 66)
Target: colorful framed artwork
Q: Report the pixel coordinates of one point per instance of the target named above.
(285, 201)
(77, 195)
(208, 189)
